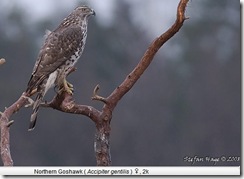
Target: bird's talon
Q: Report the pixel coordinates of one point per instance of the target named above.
(67, 90)
(70, 85)
(31, 101)
(10, 123)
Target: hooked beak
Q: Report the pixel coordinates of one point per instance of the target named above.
(93, 13)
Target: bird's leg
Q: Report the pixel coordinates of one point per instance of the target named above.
(33, 91)
(67, 87)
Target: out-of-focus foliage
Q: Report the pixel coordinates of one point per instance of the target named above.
(187, 103)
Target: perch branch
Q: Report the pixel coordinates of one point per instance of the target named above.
(64, 102)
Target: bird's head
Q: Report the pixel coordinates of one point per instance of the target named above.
(84, 12)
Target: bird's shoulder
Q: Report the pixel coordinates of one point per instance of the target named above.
(58, 47)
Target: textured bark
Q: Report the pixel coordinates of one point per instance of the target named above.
(5, 128)
(65, 102)
(101, 144)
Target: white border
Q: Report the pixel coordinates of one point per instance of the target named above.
(152, 170)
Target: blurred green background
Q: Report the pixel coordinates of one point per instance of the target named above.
(187, 103)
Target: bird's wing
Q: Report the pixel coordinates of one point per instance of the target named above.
(58, 47)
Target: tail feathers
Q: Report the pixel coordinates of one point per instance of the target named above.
(35, 111)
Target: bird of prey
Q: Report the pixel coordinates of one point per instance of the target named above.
(59, 53)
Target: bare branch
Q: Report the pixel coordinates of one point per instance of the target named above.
(5, 124)
(97, 97)
(148, 56)
(64, 102)
(2, 61)
(104, 156)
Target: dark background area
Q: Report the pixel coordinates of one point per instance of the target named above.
(187, 103)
